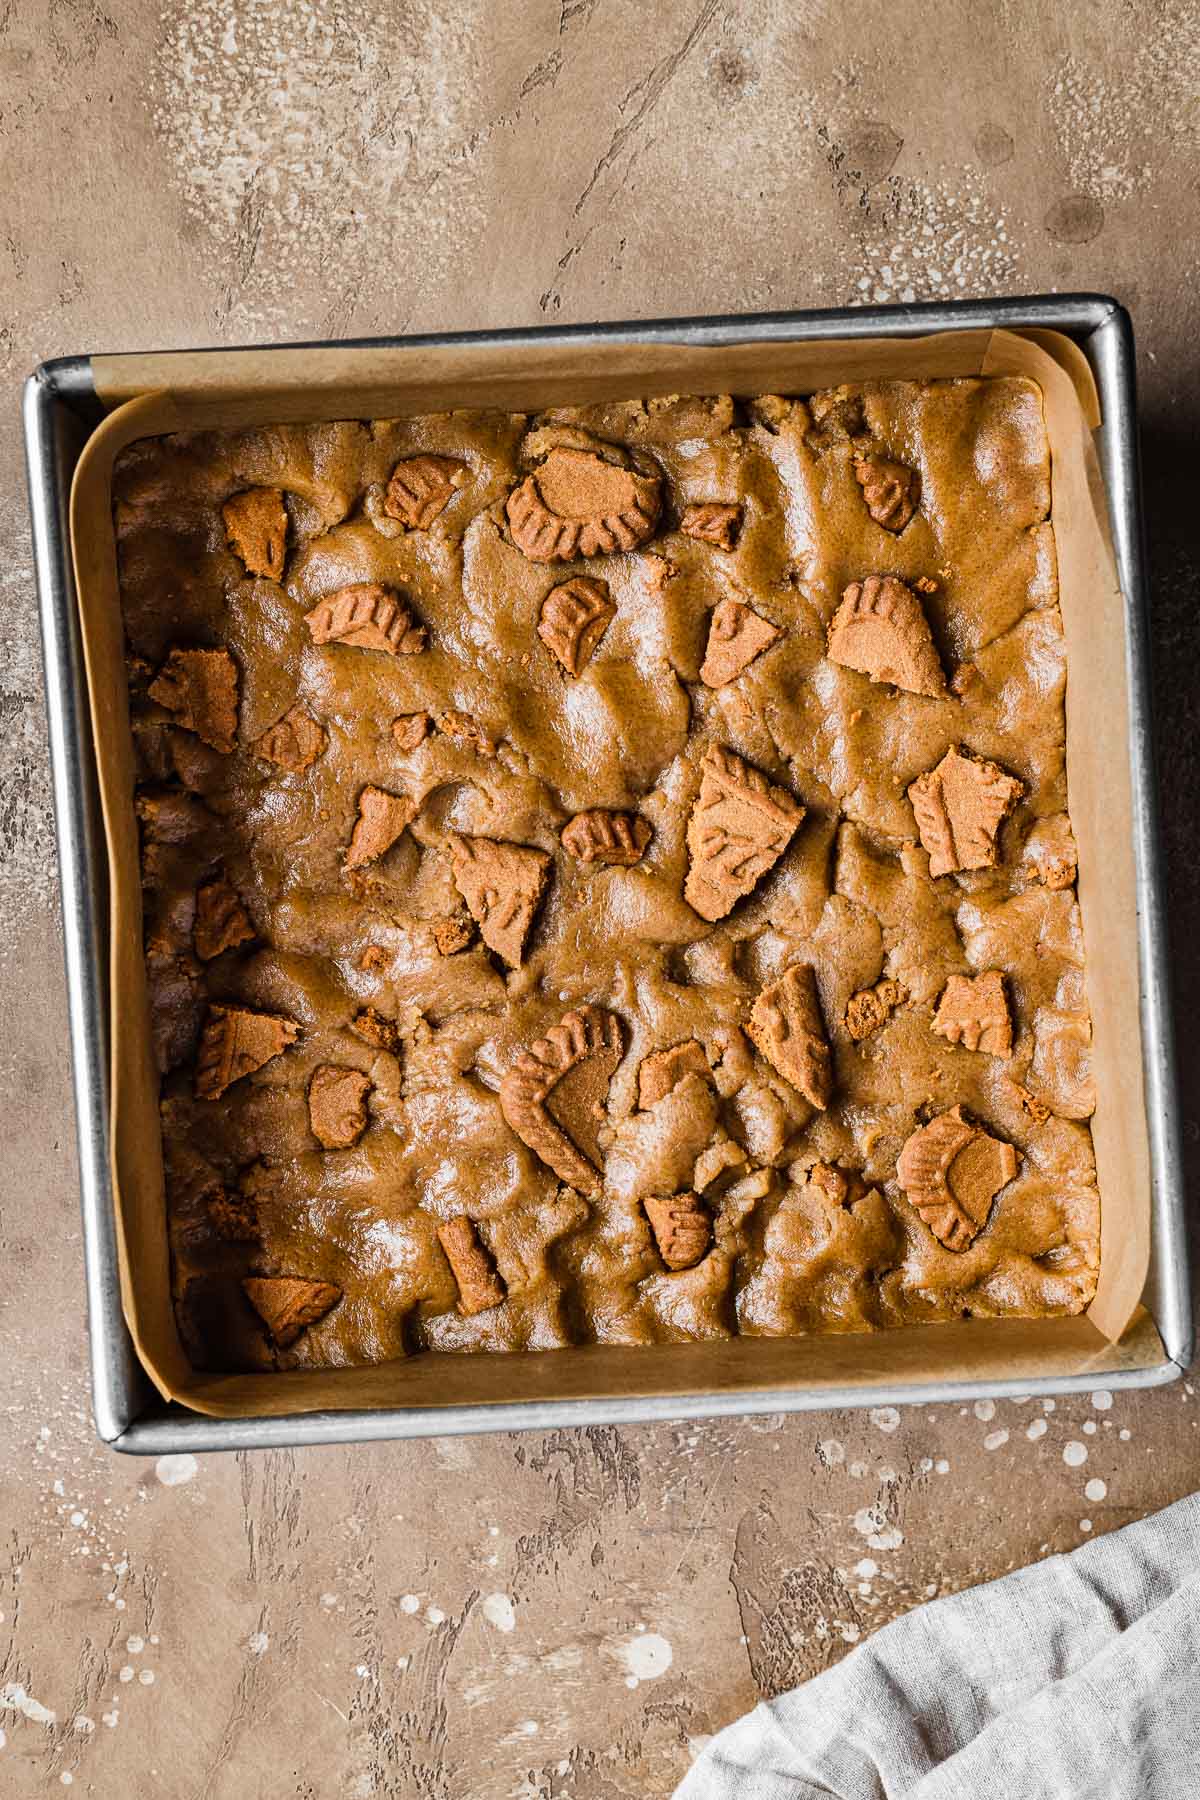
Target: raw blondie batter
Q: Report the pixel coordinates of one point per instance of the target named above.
(607, 873)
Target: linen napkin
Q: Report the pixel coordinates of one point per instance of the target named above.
(1075, 1679)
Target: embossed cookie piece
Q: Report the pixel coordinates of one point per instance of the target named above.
(289, 1304)
(222, 922)
(786, 1027)
(739, 827)
(479, 1285)
(201, 688)
(588, 1038)
(713, 522)
(293, 742)
(366, 616)
(376, 1029)
(890, 490)
(501, 884)
(736, 635)
(410, 730)
(581, 502)
(682, 1228)
(382, 817)
(973, 1011)
(959, 807)
(234, 1043)
(662, 1071)
(880, 630)
(421, 488)
(867, 1010)
(337, 1106)
(574, 617)
(256, 524)
(951, 1171)
(606, 837)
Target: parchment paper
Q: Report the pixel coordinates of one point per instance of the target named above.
(151, 395)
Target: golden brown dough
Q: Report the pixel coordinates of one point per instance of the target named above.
(586, 884)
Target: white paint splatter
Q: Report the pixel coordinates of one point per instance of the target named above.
(885, 1418)
(1075, 1454)
(125, 1673)
(409, 1603)
(258, 1643)
(985, 1410)
(1037, 1429)
(868, 1568)
(82, 1723)
(14, 1697)
(435, 1615)
(1085, 1524)
(870, 1523)
(831, 1452)
(498, 1611)
(1101, 1399)
(135, 1645)
(146, 1677)
(995, 1440)
(1095, 1489)
(646, 1656)
(942, 1466)
(173, 1471)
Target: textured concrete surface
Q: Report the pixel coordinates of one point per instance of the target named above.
(561, 1617)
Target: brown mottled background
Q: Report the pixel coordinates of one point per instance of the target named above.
(563, 1617)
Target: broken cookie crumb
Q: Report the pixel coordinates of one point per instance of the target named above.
(607, 837)
(574, 617)
(366, 616)
(951, 1171)
(959, 807)
(382, 818)
(289, 1304)
(201, 688)
(973, 1011)
(421, 487)
(740, 826)
(682, 1228)
(479, 1285)
(713, 522)
(736, 635)
(337, 1106)
(256, 524)
(786, 1027)
(867, 1010)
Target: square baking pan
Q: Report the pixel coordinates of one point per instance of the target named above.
(62, 409)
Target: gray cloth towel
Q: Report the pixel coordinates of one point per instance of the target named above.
(1076, 1679)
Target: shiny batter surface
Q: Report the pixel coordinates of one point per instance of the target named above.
(485, 698)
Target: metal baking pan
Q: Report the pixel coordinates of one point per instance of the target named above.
(61, 409)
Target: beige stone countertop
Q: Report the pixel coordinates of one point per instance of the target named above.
(564, 1616)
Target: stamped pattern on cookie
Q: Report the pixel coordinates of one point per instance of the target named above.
(234, 1043)
(739, 827)
(606, 837)
(421, 487)
(880, 630)
(574, 617)
(367, 616)
(870, 1008)
(293, 742)
(256, 525)
(973, 1011)
(588, 1034)
(682, 1228)
(959, 808)
(890, 490)
(502, 885)
(736, 635)
(951, 1171)
(713, 522)
(581, 503)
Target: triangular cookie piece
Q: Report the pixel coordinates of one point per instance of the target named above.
(201, 688)
(382, 817)
(786, 1027)
(234, 1043)
(973, 1011)
(289, 1304)
(501, 884)
(736, 635)
(740, 827)
(256, 524)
